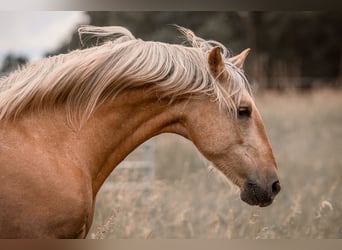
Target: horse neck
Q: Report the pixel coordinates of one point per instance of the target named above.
(119, 126)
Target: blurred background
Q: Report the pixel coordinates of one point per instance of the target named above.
(165, 188)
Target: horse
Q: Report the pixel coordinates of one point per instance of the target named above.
(67, 121)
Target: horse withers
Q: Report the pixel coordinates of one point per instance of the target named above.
(67, 121)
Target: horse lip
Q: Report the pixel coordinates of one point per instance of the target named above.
(252, 201)
(251, 196)
(255, 202)
(265, 204)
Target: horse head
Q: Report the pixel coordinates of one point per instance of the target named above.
(236, 142)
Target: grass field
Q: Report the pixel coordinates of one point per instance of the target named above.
(186, 200)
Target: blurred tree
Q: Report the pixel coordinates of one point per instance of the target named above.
(12, 62)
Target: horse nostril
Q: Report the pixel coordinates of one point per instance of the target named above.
(276, 187)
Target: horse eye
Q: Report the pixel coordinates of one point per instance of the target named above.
(244, 112)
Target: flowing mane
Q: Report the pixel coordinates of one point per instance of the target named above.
(83, 79)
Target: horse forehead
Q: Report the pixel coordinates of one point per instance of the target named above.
(246, 99)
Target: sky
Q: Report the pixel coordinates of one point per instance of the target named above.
(33, 33)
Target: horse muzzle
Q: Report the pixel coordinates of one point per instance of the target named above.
(260, 195)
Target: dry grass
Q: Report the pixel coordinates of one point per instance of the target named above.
(188, 201)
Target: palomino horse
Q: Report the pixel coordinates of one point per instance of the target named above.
(68, 120)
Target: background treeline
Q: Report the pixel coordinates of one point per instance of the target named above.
(297, 50)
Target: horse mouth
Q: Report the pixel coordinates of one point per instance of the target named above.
(254, 195)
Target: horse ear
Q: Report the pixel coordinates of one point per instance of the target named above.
(239, 59)
(216, 64)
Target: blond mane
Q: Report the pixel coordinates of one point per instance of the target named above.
(84, 79)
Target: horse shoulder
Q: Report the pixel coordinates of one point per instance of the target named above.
(40, 196)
